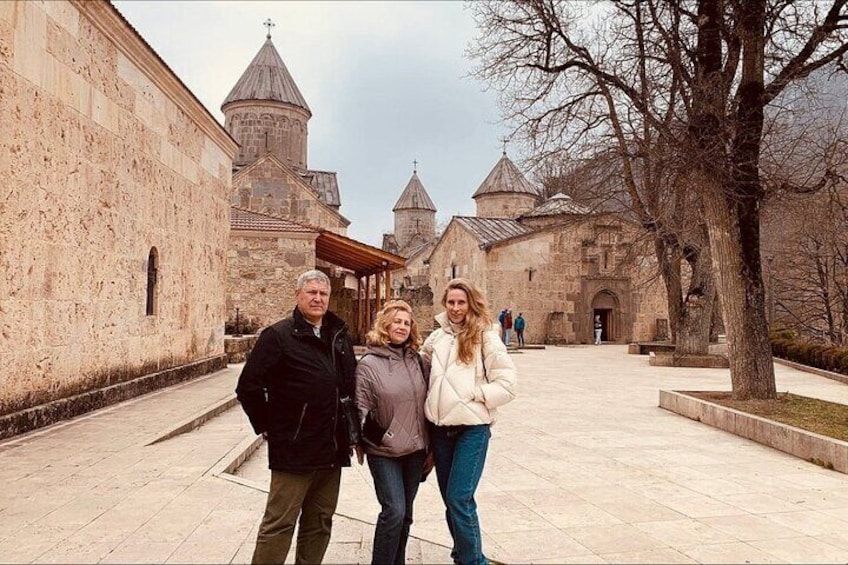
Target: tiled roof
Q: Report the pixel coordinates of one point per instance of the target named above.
(505, 177)
(412, 251)
(244, 219)
(326, 185)
(414, 196)
(267, 78)
(556, 205)
(492, 230)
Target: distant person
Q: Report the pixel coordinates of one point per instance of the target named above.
(391, 388)
(599, 328)
(290, 389)
(471, 376)
(519, 326)
(507, 327)
(501, 319)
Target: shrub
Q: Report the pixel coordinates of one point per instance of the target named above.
(824, 357)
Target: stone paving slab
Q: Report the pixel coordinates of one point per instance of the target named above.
(583, 467)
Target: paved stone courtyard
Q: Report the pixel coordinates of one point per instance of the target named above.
(583, 468)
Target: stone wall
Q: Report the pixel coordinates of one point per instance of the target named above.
(414, 227)
(262, 268)
(538, 276)
(271, 188)
(424, 307)
(505, 205)
(457, 252)
(105, 155)
(269, 126)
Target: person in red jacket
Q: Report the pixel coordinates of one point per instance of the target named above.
(507, 326)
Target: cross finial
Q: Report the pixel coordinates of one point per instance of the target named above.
(414, 166)
(504, 140)
(269, 24)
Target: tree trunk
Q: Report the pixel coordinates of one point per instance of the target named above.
(697, 312)
(670, 271)
(727, 179)
(742, 300)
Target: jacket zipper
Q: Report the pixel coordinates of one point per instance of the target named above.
(335, 419)
(335, 372)
(300, 422)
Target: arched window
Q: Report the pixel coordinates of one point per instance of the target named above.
(453, 271)
(152, 281)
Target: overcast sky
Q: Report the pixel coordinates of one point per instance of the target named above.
(387, 82)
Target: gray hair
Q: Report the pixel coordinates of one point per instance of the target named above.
(312, 275)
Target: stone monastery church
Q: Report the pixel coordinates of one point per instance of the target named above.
(555, 261)
(133, 225)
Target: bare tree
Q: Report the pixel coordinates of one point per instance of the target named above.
(805, 240)
(807, 252)
(697, 74)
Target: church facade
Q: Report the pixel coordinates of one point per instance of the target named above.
(558, 263)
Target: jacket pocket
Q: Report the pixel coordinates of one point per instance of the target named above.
(300, 421)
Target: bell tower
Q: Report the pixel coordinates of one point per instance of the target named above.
(265, 111)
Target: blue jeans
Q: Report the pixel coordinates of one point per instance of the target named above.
(396, 481)
(460, 453)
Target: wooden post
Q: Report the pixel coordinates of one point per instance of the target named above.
(388, 285)
(359, 328)
(378, 301)
(368, 302)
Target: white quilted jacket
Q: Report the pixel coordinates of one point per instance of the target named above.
(466, 394)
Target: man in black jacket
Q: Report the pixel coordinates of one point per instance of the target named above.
(290, 389)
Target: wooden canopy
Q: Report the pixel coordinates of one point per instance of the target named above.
(360, 258)
(365, 261)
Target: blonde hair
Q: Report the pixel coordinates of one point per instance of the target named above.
(477, 320)
(379, 335)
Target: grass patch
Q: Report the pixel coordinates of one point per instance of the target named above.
(811, 414)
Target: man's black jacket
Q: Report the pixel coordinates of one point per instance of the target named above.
(290, 388)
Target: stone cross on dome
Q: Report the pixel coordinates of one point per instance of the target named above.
(269, 24)
(415, 165)
(504, 140)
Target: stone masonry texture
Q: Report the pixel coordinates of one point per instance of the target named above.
(104, 157)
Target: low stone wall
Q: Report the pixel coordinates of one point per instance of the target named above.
(65, 408)
(239, 348)
(821, 450)
(693, 361)
(647, 347)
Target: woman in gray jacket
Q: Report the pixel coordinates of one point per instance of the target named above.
(390, 391)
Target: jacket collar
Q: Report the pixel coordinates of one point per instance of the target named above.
(330, 321)
(444, 322)
(389, 352)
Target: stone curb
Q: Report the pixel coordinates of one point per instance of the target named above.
(821, 450)
(814, 370)
(197, 420)
(65, 408)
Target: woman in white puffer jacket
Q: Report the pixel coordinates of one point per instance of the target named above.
(471, 375)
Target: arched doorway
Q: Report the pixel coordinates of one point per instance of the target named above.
(605, 305)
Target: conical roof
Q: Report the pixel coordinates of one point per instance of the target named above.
(414, 196)
(267, 78)
(505, 177)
